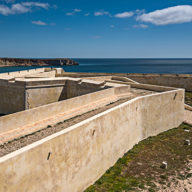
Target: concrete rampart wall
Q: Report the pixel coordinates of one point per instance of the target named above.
(75, 89)
(23, 73)
(170, 80)
(49, 74)
(43, 95)
(41, 92)
(17, 120)
(179, 81)
(29, 93)
(12, 98)
(73, 159)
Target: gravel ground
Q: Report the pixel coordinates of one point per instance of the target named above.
(16, 144)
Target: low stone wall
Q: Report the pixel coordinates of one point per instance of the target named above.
(23, 118)
(171, 80)
(73, 159)
(12, 98)
(45, 91)
(179, 81)
(23, 72)
(49, 74)
(21, 93)
(188, 114)
(75, 89)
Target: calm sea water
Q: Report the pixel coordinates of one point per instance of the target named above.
(183, 66)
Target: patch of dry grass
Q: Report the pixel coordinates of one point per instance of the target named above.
(139, 169)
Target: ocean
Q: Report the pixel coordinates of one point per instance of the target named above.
(175, 66)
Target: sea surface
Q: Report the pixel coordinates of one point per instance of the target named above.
(175, 66)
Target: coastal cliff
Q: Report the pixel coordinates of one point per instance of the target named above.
(8, 62)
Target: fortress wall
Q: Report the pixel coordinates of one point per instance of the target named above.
(22, 73)
(75, 89)
(145, 86)
(43, 95)
(171, 80)
(23, 118)
(12, 98)
(99, 78)
(79, 155)
(49, 74)
(179, 81)
(151, 87)
(41, 92)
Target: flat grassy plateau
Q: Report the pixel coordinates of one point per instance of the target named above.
(140, 168)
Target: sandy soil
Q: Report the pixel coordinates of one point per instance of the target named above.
(181, 182)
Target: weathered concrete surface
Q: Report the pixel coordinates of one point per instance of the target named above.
(32, 116)
(75, 89)
(179, 81)
(49, 74)
(188, 117)
(45, 91)
(13, 88)
(12, 98)
(39, 95)
(188, 114)
(27, 93)
(80, 154)
(170, 80)
(23, 73)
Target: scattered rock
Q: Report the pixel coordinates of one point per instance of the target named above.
(164, 165)
(187, 142)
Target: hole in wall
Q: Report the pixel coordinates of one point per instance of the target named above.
(175, 96)
(93, 133)
(49, 154)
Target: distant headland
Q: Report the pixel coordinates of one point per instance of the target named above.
(10, 62)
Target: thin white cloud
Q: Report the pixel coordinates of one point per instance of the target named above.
(87, 14)
(143, 26)
(73, 12)
(112, 26)
(77, 10)
(140, 11)
(124, 15)
(36, 4)
(101, 13)
(39, 23)
(69, 13)
(19, 8)
(171, 15)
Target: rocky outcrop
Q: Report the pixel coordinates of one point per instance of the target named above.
(36, 62)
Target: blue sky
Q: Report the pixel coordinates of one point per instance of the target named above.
(96, 28)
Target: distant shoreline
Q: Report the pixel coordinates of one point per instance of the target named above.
(22, 62)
